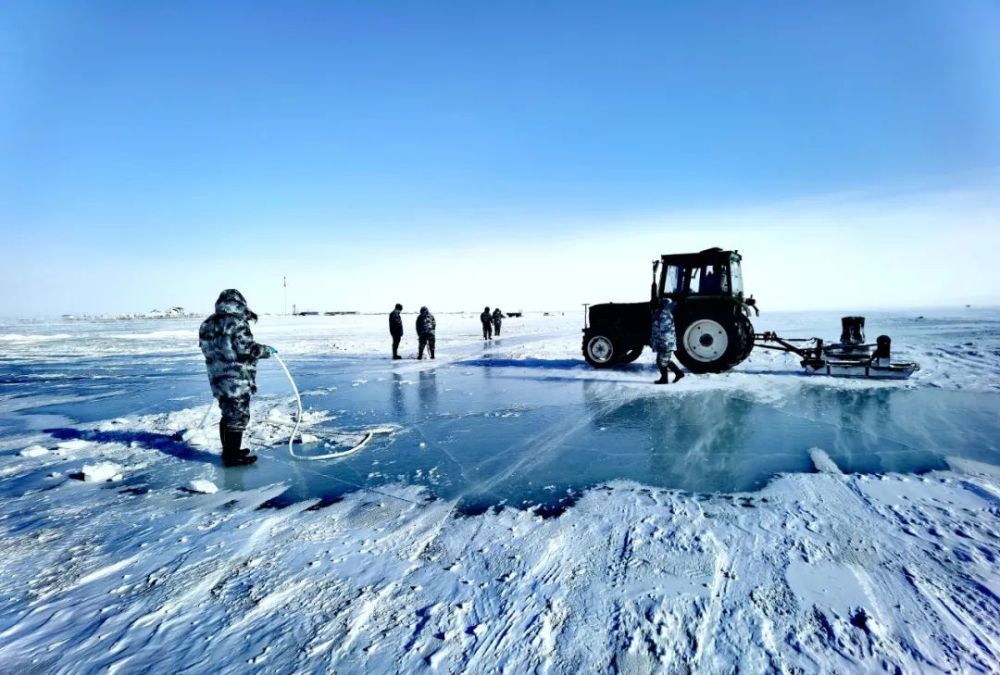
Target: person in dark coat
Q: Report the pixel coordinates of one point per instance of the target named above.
(497, 321)
(231, 357)
(487, 320)
(396, 329)
(426, 327)
(663, 340)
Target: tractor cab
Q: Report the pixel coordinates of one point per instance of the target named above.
(712, 273)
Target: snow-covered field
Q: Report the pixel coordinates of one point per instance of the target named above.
(526, 514)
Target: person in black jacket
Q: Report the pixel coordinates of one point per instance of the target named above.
(231, 357)
(396, 329)
(426, 327)
(487, 320)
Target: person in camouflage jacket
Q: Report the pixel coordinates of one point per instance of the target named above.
(426, 326)
(663, 340)
(231, 357)
(497, 321)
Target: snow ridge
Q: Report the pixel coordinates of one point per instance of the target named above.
(839, 573)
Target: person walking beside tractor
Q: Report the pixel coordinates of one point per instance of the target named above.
(396, 330)
(663, 340)
(487, 320)
(426, 326)
(497, 321)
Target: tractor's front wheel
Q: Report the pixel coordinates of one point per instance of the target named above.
(599, 350)
(711, 343)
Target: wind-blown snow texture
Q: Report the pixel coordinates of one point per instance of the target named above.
(119, 556)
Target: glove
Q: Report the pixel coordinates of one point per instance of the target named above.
(271, 350)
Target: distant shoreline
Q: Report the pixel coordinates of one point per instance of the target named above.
(109, 318)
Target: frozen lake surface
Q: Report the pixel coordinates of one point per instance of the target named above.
(491, 425)
(520, 423)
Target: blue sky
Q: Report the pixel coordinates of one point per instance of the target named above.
(184, 146)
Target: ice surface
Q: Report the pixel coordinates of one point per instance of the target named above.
(761, 520)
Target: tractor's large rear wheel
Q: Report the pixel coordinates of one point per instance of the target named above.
(747, 336)
(600, 351)
(712, 342)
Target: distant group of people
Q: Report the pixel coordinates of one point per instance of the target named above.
(491, 322)
(426, 328)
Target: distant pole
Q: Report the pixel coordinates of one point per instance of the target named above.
(284, 285)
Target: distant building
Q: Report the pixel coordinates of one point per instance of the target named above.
(172, 313)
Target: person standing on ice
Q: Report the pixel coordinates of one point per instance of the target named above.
(497, 321)
(426, 325)
(396, 330)
(664, 340)
(487, 320)
(231, 357)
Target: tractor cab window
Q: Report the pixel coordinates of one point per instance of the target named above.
(712, 280)
(673, 279)
(707, 279)
(694, 286)
(737, 275)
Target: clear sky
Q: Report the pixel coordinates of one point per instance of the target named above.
(523, 154)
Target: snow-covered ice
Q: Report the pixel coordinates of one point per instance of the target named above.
(203, 486)
(34, 451)
(526, 513)
(101, 472)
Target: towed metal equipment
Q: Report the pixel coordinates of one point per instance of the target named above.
(851, 357)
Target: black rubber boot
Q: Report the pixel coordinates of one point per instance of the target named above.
(232, 452)
(678, 373)
(664, 372)
(222, 439)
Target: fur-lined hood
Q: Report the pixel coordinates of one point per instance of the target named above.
(232, 302)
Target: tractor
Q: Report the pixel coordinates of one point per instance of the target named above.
(711, 316)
